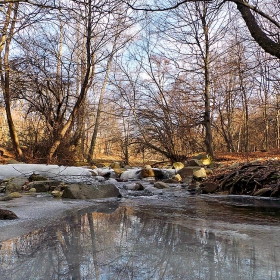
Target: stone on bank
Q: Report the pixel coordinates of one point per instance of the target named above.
(7, 215)
(83, 191)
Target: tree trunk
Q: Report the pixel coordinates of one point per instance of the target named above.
(100, 102)
(85, 86)
(207, 105)
(245, 108)
(5, 73)
(278, 121)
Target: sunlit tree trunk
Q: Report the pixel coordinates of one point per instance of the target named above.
(101, 97)
(266, 103)
(79, 138)
(86, 82)
(245, 110)
(7, 34)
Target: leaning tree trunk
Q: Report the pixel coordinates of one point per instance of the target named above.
(100, 102)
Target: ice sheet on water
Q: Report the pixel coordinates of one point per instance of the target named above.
(71, 173)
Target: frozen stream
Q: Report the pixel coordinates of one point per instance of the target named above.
(197, 237)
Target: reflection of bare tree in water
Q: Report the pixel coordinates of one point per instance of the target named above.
(27, 247)
(69, 240)
(93, 245)
(134, 244)
(210, 250)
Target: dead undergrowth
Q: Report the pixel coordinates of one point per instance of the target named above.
(257, 178)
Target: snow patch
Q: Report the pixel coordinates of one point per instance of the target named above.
(50, 171)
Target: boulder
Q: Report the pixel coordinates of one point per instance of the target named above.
(14, 195)
(170, 181)
(7, 215)
(194, 162)
(204, 159)
(102, 178)
(15, 184)
(147, 172)
(83, 191)
(186, 172)
(115, 165)
(192, 171)
(160, 185)
(5, 198)
(56, 193)
(43, 186)
(192, 186)
(119, 171)
(150, 190)
(177, 178)
(161, 174)
(178, 165)
(187, 180)
(133, 187)
(208, 187)
(36, 177)
(199, 173)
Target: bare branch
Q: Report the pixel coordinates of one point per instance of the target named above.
(148, 8)
(255, 9)
(3, 2)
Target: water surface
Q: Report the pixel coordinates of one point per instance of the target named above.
(151, 238)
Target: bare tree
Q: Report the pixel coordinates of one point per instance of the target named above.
(54, 61)
(119, 40)
(10, 17)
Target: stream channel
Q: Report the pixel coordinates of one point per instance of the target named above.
(196, 237)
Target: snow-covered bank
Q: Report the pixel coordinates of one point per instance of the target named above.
(50, 171)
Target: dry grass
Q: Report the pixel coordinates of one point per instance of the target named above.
(102, 159)
(247, 157)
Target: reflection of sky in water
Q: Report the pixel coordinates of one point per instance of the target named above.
(148, 242)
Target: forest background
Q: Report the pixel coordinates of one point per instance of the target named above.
(160, 80)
